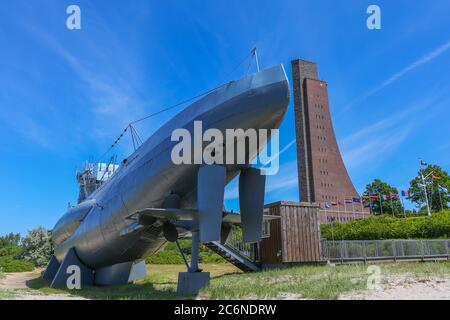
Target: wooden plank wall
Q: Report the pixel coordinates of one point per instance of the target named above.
(298, 235)
(270, 248)
(300, 232)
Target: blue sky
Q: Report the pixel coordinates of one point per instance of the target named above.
(65, 95)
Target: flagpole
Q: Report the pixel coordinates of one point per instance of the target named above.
(381, 204)
(401, 201)
(392, 205)
(425, 190)
(440, 198)
(362, 205)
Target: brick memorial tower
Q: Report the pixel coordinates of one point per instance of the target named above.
(322, 175)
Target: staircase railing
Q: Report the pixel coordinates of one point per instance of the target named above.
(235, 242)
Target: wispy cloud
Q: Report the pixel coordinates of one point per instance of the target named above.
(423, 60)
(373, 143)
(280, 185)
(278, 154)
(110, 96)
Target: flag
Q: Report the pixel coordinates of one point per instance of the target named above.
(442, 189)
(423, 163)
(404, 193)
(394, 196)
(327, 206)
(334, 204)
(436, 177)
(348, 201)
(385, 197)
(357, 200)
(365, 197)
(374, 196)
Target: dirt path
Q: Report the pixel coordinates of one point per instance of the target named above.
(14, 285)
(406, 288)
(13, 281)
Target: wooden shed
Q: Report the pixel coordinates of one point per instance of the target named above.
(294, 237)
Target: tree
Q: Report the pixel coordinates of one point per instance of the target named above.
(9, 240)
(37, 247)
(388, 206)
(436, 177)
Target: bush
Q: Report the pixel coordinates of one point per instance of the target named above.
(9, 264)
(10, 239)
(165, 257)
(11, 250)
(210, 257)
(37, 247)
(387, 227)
(171, 255)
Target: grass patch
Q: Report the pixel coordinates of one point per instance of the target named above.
(160, 284)
(312, 282)
(7, 294)
(309, 282)
(438, 268)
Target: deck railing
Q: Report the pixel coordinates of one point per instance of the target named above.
(372, 250)
(236, 242)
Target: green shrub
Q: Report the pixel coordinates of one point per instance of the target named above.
(9, 264)
(185, 244)
(387, 227)
(37, 247)
(210, 257)
(9, 239)
(11, 250)
(171, 255)
(166, 257)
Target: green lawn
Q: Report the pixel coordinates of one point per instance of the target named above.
(160, 283)
(6, 294)
(311, 282)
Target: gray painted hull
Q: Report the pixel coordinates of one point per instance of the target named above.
(257, 101)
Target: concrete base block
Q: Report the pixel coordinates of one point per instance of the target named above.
(69, 268)
(191, 282)
(138, 271)
(119, 274)
(51, 270)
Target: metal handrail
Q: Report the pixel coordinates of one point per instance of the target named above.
(366, 250)
(236, 242)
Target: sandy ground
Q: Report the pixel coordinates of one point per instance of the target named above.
(16, 284)
(403, 287)
(393, 287)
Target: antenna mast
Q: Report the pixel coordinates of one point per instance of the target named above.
(255, 54)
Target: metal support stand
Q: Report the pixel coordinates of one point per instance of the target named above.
(194, 252)
(182, 254)
(86, 275)
(51, 270)
(193, 280)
